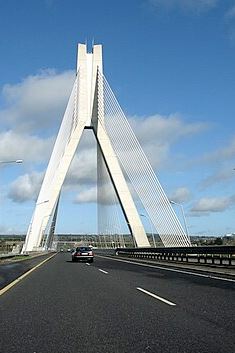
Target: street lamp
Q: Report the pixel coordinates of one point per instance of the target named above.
(143, 215)
(182, 210)
(40, 203)
(16, 161)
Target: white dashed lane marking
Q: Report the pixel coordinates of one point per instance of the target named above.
(209, 276)
(103, 271)
(156, 296)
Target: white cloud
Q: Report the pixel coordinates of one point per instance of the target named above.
(226, 152)
(230, 17)
(83, 168)
(180, 195)
(81, 173)
(158, 133)
(26, 187)
(220, 176)
(185, 5)
(231, 13)
(207, 205)
(222, 161)
(222, 154)
(37, 102)
(105, 195)
(161, 128)
(87, 196)
(21, 146)
(34, 107)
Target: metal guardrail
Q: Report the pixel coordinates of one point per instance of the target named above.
(105, 251)
(204, 255)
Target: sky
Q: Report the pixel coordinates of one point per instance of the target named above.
(171, 64)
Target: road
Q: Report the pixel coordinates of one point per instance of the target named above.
(9, 271)
(114, 306)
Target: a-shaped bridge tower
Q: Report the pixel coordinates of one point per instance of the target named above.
(92, 105)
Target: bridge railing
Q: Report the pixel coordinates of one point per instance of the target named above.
(204, 255)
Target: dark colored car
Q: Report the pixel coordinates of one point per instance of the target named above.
(83, 253)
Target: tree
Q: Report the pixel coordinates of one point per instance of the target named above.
(218, 241)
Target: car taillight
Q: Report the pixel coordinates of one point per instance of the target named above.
(90, 253)
(78, 253)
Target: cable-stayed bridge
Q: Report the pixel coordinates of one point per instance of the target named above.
(130, 303)
(124, 173)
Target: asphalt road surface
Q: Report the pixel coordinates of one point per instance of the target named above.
(114, 306)
(9, 271)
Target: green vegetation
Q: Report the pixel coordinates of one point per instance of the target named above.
(70, 241)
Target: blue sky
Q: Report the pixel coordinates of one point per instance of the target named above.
(171, 64)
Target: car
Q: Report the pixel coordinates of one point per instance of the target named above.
(83, 253)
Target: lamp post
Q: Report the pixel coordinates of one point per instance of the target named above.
(15, 161)
(40, 203)
(182, 210)
(143, 215)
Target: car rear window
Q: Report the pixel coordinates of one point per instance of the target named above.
(84, 249)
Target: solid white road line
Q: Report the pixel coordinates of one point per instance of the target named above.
(171, 269)
(103, 271)
(156, 296)
(5, 289)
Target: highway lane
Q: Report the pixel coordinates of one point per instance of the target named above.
(73, 307)
(9, 271)
(211, 299)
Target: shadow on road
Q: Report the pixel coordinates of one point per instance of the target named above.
(75, 262)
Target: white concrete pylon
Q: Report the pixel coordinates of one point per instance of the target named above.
(85, 109)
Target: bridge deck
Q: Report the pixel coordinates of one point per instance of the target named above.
(72, 307)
